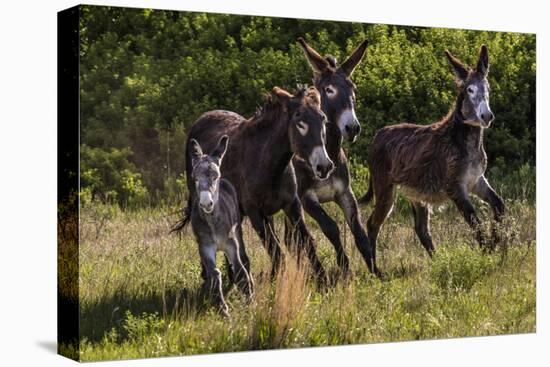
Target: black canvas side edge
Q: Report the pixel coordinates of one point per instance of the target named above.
(68, 125)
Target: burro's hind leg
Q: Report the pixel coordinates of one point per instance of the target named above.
(421, 214)
(485, 192)
(242, 276)
(213, 282)
(383, 204)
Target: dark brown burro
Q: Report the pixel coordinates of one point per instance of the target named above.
(257, 163)
(338, 103)
(438, 162)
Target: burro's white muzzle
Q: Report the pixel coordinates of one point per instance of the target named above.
(484, 113)
(320, 163)
(206, 202)
(349, 124)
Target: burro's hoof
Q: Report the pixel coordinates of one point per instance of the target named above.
(224, 311)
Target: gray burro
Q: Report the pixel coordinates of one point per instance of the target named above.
(216, 223)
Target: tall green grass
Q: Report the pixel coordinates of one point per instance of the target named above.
(139, 288)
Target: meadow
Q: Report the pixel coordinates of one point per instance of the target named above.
(140, 287)
(146, 75)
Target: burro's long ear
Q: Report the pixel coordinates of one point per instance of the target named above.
(483, 61)
(355, 58)
(460, 69)
(316, 61)
(282, 95)
(196, 150)
(220, 150)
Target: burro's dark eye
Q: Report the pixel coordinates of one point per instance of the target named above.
(329, 90)
(470, 90)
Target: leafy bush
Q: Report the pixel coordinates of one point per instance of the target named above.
(109, 176)
(359, 173)
(174, 187)
(516, 183)
(146, 75)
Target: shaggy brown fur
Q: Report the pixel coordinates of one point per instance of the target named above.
(438, 162)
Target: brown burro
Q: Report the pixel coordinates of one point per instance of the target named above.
(257, 163)
(438, 162)
(338, 103)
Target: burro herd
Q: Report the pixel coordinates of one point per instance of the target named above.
(288, 156)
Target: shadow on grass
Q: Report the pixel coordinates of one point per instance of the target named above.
(98, 318)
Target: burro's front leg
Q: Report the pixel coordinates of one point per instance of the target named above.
(485, 192)
(213, 281)
(347, 202)
(459, 196)
(302, 241)
(328, 226)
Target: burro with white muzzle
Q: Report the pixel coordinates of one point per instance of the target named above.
(337, 91)
(216, 222)
(336, 88)
(438, 162)
(307, 133)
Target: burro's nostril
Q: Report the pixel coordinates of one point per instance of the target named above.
(323, 170)
(207, 205)
(487, 116)
(348, 129)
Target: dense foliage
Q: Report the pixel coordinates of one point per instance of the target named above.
(146, 75)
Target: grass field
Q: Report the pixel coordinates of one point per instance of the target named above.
(139, 288)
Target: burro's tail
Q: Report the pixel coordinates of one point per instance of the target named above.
(368, 196)
(185, 218)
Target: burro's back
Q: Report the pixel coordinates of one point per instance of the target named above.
(423, 159)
